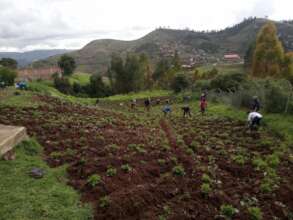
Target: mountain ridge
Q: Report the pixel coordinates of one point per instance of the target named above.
(201, 46)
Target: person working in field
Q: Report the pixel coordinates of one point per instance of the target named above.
(147, 104)
(203, 103)
(256, 104)
(253, 120)
(186, 111)
(133, 104)
(167, 108)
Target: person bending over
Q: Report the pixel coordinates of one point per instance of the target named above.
(253, 120)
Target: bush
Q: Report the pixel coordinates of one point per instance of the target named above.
(180, 83)
(228, 82)
(63, 85)
(7, 76)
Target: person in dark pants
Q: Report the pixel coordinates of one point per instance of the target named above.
(256, 104)
(254, 119)
(186, 111)
(147, 104)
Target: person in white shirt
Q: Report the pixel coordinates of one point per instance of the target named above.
(253, 120)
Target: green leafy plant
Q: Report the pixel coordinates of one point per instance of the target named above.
(194, 146)
(239, 159)
(273, 160)
(94, 180)
(255, 213)
(205, 188)
(111, 171)
(104, 202)
(259, 163)
(206, 179)
(228, 211)
(126, 168)
(178, 170)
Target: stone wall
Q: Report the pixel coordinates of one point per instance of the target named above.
(40, 73)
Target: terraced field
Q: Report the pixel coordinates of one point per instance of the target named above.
(135, 165)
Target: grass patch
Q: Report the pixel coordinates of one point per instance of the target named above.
(139, 95)
(25, 198)
(80, 78)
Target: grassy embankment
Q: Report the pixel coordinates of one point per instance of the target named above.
(25, 198)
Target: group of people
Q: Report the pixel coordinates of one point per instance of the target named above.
(167, 109)
(254, 117)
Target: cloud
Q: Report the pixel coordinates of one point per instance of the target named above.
(36, 24)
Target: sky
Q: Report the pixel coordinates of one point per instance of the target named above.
(71, 24)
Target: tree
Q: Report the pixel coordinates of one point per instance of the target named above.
(248, 57)
(7, 76)
(67, 65)
(9, 63)
(116, 73)
(147, 72)
(176, 62)
(128, 76)
(161, 69)
(134, 73)
(180, 82)
(97, 87)
(288, 67)
(269, 53)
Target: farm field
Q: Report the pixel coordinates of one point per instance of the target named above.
(130, 164)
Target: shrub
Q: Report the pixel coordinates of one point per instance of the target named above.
(255, 213)
(93, 180)
(104, 202)
(205, 188)
(126, 168)
(111, 171)
(7, 76)
(228, 211)
(227, 82)
(178, 170)
(63, 85)
(179, 83)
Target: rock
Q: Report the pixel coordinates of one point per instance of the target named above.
(37, 173)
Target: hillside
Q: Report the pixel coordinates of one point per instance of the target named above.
(26, 58)
(198, 46)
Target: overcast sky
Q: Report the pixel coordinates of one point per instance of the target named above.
(47, 24)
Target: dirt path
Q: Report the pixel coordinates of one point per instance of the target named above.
(169, 133)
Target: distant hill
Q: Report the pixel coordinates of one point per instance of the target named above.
(200, 46)
(26, 58)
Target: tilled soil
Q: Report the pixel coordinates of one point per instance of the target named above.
(91, 140)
